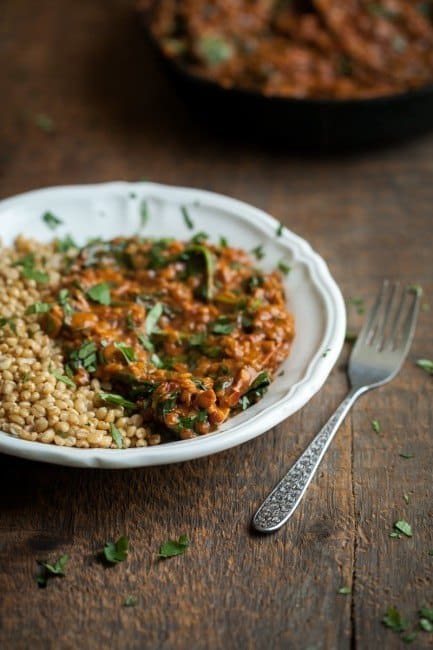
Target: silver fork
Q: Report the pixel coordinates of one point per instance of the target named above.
(376, 358)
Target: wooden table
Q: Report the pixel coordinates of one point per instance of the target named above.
(114, 116)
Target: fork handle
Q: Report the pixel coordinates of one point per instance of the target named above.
(281, 503)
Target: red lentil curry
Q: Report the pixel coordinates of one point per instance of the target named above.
(300, 48)
(186, 334)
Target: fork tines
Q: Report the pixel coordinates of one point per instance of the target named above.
(391, 321)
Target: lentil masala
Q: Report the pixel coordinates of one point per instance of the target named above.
(300, 48)
(159, 339)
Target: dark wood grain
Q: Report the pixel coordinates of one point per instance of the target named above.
(116, 117)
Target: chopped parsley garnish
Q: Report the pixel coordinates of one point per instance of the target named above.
(28, 269)
(358, 302)
(402, 526)
(115, 552)
(213, 49)
(116, 435)
(38, 276)
(186, 217)
(425, 364)
(279, 230)
(222, 326)
(100, 293)
(51, 220)
(144, 213)
(63, 378)
(173, 547)
(406, 455)
(223, 243)
(376, 426)
(345, 591)
(394, 621)
(63, 300)
(117, 400)
(209, 267)
(127, 352)
(65, 244)
(130, 601)
(256, 390)
(147, 345)
(284, 268)
(56, 569)
(153, 317)
(84, 357)
(258, 252)
(200, 237)
(38, 308)
(45, 123)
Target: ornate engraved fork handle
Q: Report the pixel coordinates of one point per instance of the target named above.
(285, 497)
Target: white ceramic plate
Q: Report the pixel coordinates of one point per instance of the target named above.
(114, 209)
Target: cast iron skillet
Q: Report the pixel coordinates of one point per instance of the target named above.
(305, 124)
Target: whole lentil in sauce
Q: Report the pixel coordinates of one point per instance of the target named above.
(182, 334)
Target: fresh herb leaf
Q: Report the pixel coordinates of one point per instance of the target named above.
(100, 293)
(38, 308)
(127, 352)
(84, 357)
(147, 345)
(47, 570)
(284, 268)
(116, 435)
(63, 378)
(63, 298)
(173, 547)
(130, 601)
(345, 591)
(394, 621)
(209, 267)
(51, 220)
(404, 454)
(425, 364)
(200, 237)
(376, 426)
(144, 213)
(426, 625)
(117, 400)
(223, 243)
(25, 377)
(45, 123)
(358, 302)
(403, 527)
(279, 230)
(186, 217)
(258, 252)
(58, 568)
(153, 317)
(213, 49)
(115, 552)
(65, 244)
(33, 274)
(409, 637)
(222, 326)
(406, 497)
(426, 612)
